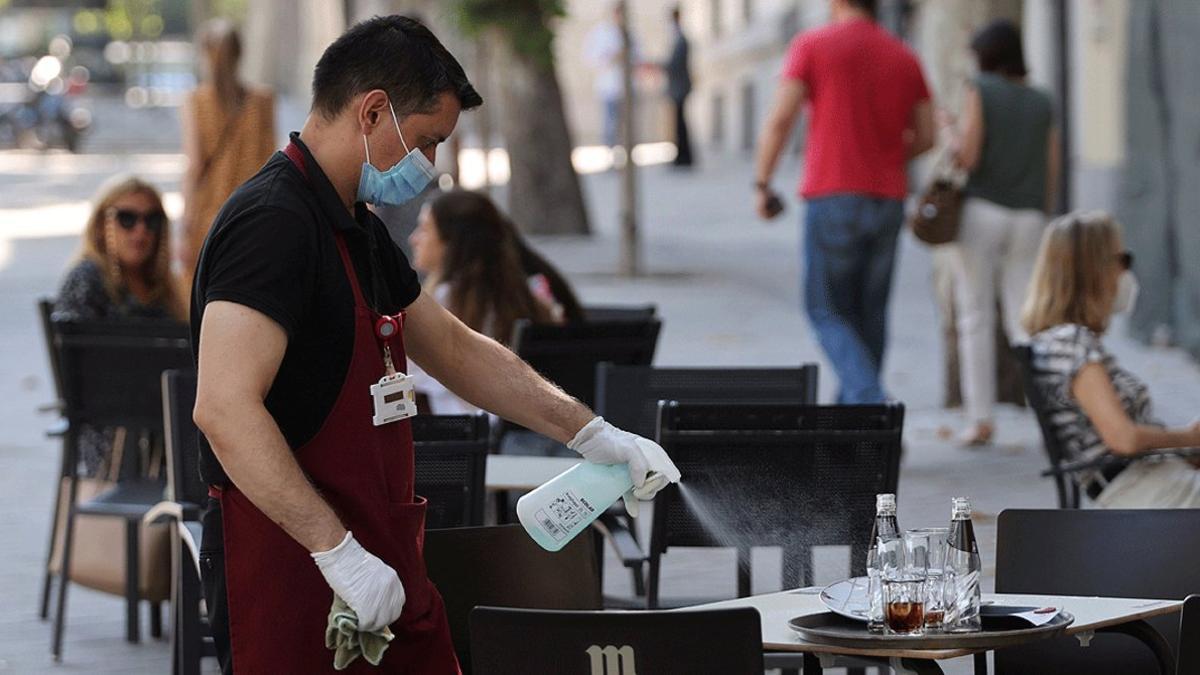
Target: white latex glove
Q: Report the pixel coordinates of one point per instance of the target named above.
(650, 468)
(371, 588)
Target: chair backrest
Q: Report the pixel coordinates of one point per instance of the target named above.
(1188, 661)
(628, 396)
(619, 312)
(1067, 488)
(501, 566)
(727, 641)
(45, 311)
(112, 371)
(450, 453)
(1142, 553)
(183, 438)
(786, 475)
(567, 355)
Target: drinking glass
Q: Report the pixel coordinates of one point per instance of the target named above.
(904, 603)
(925, 550)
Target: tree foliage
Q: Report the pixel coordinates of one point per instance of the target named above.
(526, 24)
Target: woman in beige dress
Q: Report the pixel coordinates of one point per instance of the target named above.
(228, 133)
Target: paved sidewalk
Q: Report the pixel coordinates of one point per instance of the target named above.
(725, 285)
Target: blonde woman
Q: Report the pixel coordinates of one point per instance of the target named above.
(123, 272)
(1082, 277)
(228, 134)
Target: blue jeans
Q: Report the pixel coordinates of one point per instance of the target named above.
(849, 252)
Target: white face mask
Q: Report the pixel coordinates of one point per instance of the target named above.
(1127, 292)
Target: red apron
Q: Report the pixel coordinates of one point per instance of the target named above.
(278, 600)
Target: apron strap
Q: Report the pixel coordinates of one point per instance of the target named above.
(296, 155)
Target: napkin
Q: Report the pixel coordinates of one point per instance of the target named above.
(347, 642)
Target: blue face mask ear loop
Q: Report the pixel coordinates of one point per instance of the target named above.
(396, 121)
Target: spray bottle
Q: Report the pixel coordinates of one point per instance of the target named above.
(564, 506)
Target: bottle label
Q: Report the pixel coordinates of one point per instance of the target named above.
(564, 514)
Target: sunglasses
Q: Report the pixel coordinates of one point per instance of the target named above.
(128, 219)
(1125, 260)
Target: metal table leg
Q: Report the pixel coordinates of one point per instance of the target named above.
(915, 667)
(1147, 635)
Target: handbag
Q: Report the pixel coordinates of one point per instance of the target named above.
(935, 220)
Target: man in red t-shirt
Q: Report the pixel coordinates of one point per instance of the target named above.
(870, 114)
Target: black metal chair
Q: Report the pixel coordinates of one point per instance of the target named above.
(598, 313)
(1064, 483)
(787, 475)
(706, 641)
(1188, 662)
(45, 308)
(568, 354)
(111, 378)
(451, 458)
(628, 397)
(501, 566)
(1140, 553)
(191, 637)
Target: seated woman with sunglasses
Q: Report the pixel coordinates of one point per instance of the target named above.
(123, 270)
(122, 273)
(1082, 277)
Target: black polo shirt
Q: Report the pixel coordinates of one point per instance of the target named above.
(272, 248)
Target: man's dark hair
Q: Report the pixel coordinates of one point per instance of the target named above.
(397, 54)
(997, 47)
(869, 6)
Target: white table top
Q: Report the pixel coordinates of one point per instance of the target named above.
(523, 472)
(1090, 614)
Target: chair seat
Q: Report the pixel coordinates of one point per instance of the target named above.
(128, 499)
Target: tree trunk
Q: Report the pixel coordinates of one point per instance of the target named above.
(544, 196)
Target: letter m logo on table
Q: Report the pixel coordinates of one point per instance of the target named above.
(611, 660)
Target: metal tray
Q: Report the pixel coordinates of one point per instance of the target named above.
(830, 629)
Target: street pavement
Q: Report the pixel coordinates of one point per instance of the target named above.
(726, 288)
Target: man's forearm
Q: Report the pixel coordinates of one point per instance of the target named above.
(769, 150)
(256, 457)
(488, 375)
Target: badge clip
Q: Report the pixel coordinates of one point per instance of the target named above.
(395, 399)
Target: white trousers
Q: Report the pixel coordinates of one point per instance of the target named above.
(1170, 483)
(996, 246)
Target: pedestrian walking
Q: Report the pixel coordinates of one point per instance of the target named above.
(1007, 143)
(870, 114)
(228, 133)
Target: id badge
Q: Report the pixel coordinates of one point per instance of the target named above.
(395, 399)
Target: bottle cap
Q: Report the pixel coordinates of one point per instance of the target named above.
(885, 502)
(961, 505)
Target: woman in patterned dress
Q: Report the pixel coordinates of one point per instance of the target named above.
(1082, 277)
(122, 273)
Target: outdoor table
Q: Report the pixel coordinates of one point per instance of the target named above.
(1091, 614)
(523, 472)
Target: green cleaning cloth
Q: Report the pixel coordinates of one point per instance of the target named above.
(347, 642)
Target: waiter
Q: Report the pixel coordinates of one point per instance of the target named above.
(303, 314)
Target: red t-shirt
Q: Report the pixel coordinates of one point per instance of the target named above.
(862, 85)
